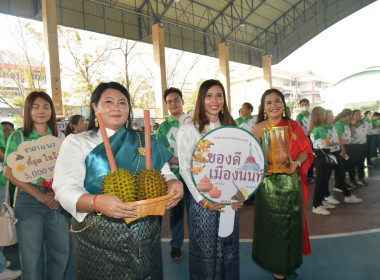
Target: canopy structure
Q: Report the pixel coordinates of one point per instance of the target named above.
(251, 28)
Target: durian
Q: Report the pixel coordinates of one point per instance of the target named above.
(151, 183)
(120, 183)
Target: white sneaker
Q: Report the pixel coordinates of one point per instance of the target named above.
(321, 211)
(337, 190)
(10, 274)
(327, 205)
(330, 199)
(352, 199)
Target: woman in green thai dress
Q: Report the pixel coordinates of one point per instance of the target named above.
(280, 230)
(105, 246)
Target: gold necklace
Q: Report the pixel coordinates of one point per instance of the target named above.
(141, 152)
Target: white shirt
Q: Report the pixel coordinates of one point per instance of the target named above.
(70, 169)
(251, 123)
(187, 138)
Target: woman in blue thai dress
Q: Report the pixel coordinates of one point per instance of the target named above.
(211, 257)
(105, 246)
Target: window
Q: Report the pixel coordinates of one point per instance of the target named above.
(318, 84)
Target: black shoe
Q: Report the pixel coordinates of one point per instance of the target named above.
(311, 179)
(175, 254)
(370, 164)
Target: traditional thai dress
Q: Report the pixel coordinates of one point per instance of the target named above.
(109, 248)
(211, 257)
(280, 230)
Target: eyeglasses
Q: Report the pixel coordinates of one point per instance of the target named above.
(175, 100)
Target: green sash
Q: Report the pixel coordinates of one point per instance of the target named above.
(124, 145)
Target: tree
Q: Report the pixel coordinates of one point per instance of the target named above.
(178, 73)
(135, 73)
(22, 72)
(84, 66)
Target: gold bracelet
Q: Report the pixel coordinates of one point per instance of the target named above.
(204, 205)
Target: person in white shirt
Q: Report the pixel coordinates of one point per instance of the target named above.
(106, 247)
(211, 256)
(246, 121)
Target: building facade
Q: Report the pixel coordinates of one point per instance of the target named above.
(248, 86)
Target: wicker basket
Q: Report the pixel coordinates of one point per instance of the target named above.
(154, 206)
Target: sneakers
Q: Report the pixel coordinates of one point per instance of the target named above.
(336, 189)
(362, 182)
(354, 184)
(320, 210)
(352, 199)
(10, 274)
(8, 264)
(330, 199)
(175, 254)
(327, 205)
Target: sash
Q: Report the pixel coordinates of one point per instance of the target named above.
(124, 145)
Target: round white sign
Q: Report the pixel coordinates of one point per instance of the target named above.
(228, 164)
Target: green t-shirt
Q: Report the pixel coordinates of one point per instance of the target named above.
(167, 135)
(16, 139)
(343, 129)
(2, 141)
(318, 134)
(3, 181)
(304, 121)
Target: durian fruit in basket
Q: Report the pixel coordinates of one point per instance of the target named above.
(120, 183)
(151, 183)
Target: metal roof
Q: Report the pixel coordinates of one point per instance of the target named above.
(252, 28)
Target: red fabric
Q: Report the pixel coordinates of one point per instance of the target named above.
(48, 184)
(301, 145)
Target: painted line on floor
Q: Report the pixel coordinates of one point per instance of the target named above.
(345, 234)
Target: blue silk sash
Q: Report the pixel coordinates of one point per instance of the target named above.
(124, 145)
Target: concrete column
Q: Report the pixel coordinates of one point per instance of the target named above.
(267, 71)
(224, 65)
(160, 71)
(49, 17)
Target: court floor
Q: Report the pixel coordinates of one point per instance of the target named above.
(345, 245)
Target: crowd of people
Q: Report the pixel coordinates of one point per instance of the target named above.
(105, 247)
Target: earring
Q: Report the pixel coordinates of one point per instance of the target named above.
(265, 115)
(222, 111)
(126, 124)
(283, 113)
(96, 122)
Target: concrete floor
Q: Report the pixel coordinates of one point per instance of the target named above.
(345, 245)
